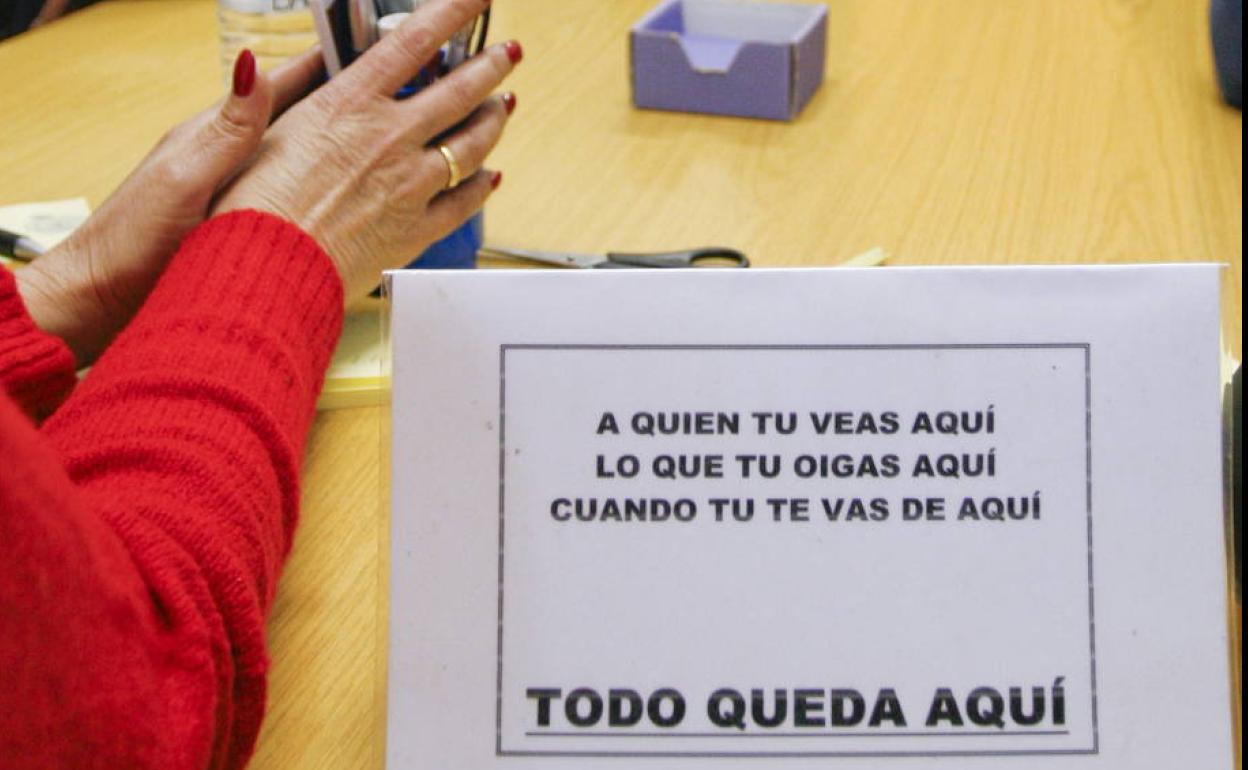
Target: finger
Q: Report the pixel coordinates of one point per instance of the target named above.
(470, 145)
(455, 96)
(295, 79)
(453, 207)
(393, 62)
(221, 144)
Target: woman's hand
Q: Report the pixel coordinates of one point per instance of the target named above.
(360, 171)
(89, 287)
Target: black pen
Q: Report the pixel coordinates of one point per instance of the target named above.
(18, 247)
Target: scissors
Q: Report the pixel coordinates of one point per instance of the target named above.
(708, 257)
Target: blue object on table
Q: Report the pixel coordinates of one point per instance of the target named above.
(457, 251)
(1226, 20)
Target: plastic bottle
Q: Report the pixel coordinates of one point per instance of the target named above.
(274, 30)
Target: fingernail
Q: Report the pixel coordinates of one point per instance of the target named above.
(496, 180)
(509, 102)
(244, 73)
(514, 51)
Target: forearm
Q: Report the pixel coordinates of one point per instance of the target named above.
(177, 476)
(200, 408)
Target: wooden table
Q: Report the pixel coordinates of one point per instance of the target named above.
(951, 132)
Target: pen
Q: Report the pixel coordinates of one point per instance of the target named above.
(18, 247)
(457, 48)
(363, 25)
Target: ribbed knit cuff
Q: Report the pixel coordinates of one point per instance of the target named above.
(36, 368)
(249, 301)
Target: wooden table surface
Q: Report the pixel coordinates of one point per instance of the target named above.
(948, 132)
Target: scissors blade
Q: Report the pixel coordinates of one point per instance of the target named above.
(556, 258)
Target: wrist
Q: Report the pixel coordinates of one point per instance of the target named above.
(58, 296)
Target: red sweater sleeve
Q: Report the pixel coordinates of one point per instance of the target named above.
(36, 369)
(142, 532)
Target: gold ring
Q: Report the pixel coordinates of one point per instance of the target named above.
(452, 165)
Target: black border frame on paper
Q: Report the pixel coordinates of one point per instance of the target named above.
(502, 412)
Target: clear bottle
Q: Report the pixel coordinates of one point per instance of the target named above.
(274, 30)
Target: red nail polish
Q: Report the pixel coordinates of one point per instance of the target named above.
(496, 180)
(509, 102)
(244, 73)
(514, 51)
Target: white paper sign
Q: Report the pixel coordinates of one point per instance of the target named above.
(808, 519)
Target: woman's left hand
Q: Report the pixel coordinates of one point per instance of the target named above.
(89, 287)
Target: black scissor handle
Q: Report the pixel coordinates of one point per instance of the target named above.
(687, 258)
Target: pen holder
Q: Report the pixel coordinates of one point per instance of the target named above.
(752, 60)
(457, 251)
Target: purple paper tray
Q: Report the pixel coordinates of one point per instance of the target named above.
(755, 60)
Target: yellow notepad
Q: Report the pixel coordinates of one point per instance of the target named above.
(355, 376)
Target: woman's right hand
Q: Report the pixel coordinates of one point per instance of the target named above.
(360, 171)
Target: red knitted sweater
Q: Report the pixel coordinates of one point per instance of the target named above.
(143, 525)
